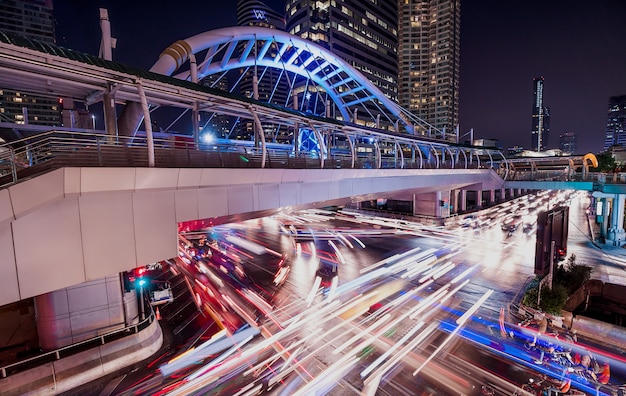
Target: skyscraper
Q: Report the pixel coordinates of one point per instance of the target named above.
(33, 19)
(428, 60)
(541, 118)
(616, 122)
(361, 32)
(273, 86)
(257, 13)
(567, 143)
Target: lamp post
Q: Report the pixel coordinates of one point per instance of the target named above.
(141, 306)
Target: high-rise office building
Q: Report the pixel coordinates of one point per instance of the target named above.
(271, 88)
(33, 19)
(273, 85)
(616, 122)
(361, 32)
(541, 118)
(257, 13)
(567, 143)
(428, 60)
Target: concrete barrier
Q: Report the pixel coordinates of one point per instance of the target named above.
(68, 373)
(601, 331)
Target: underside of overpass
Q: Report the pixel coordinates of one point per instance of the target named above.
(74, 225)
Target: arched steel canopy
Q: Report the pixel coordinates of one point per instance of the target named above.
(244, 47)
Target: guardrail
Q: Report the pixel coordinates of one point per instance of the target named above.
(41, 153)
(73, 349)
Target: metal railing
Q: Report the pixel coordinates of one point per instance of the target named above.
(35, 155)
(69, 350)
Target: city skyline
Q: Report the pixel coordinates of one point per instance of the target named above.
(503, 46)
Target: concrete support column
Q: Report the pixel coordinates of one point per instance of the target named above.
(438, 204)
(604, 227)
(503, 194)
(463, 199)
(519, 192)
(110, 116)
(616, 232)
(492, 196)
(81, 312)
(511, 193)
(479, 199)
(454, 201)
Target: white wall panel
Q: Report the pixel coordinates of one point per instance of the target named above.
(333, 189)
(293, 175)
(217, 177)
(156, 229)
(155, 178)
(71, 182)
(288, 194)
(107, 179)
(309, 192)
(345, 188)
(271, 176)
(6, 209)
(212, 202)
(362, 186)
(9, 290)
(189, 177)
(87, 296)
(47, 248)
(269, 196)
(30, 194)
(186, 204)
(245, 176)
(108, 235)
(240, 199)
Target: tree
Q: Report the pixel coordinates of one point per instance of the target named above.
(606, 162)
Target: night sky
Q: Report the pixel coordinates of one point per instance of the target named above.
(579, 47)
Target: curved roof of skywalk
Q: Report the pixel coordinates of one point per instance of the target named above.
(44, 68)
(244, 47)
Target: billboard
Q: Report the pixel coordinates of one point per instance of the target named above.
(551, 226)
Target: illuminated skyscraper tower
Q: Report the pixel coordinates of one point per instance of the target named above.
(541, 118)
(428, 60)
(32, 19)
(616, 122)
(361, 32)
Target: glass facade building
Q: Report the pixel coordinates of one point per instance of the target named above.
(540, 118)
(361, 32)
(616, 122)
(567, 143)
(32, 19)
(428, 60)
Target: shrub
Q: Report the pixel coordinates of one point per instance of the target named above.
(568, 278)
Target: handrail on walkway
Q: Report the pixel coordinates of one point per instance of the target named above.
(75, 348)
(35, 155)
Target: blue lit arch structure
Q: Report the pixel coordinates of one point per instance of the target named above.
(244, 47)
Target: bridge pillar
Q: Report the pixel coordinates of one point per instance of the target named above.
(83, 311)
(616, 234)
(503, 194)
(479, 199)
(605, 218)
(454, 201)
(511, 193)
(463, 199)
(492, 196)
(435, 204)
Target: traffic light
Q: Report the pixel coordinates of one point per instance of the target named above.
(129, 281)
(134, 278)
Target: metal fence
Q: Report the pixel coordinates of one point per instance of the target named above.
(35, 155)
(75, 348)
